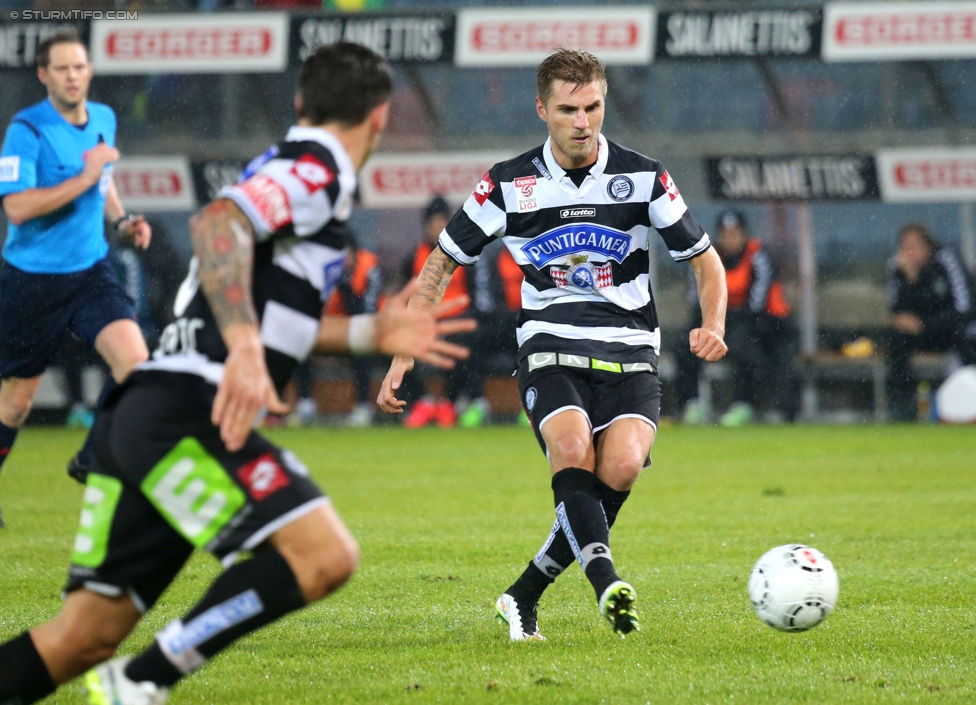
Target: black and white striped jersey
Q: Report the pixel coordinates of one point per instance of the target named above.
(297, 195)
(584, 251)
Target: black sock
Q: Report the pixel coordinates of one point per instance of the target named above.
(530, 585)
(556, 554)
(7, 437)
(611, 499)
(86, 455)
(23, 676)
(584, 523)
(246, 597)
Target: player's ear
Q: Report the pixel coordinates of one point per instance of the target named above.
(299, 104)
(540, 109)
(379, 116)
(42, 75)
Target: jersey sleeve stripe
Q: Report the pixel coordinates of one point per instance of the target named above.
(692, 251)
(453, 251)
(232, 193)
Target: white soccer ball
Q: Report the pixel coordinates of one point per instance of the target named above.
(793, 587)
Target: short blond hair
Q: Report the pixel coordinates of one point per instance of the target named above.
(572, 66)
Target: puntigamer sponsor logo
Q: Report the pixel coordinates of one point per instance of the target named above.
(577, 212)
(578, 237)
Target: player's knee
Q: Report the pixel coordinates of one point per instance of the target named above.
(325, 569)
(127, 362)
(86, 644)
(621, 470)
(570, 451)
(15, 409)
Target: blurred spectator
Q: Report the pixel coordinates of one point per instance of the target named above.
(359, 291)
(462, 383)
(761, 336)
(73, 357)
(930, 294)
(496, 295)
(150, 277)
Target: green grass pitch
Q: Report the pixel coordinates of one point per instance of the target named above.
(446, 519)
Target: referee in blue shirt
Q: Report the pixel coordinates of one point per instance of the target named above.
(57, 191)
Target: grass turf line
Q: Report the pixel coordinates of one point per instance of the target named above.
(446, 520)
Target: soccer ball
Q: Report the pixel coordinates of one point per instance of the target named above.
(793, 587)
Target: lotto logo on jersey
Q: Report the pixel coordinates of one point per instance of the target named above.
(262, 477)
(483, 189)
(312, 173)
(269, 199)
(668, 183)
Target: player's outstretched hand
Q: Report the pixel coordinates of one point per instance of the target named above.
(138, 231)
(707, 344)
(387, 399)
(245, 389)
(418, 333)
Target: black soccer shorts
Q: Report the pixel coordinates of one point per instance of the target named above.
(602, 391)
(36, 310)
(166, 485)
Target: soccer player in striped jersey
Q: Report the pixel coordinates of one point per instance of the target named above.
(179, 467)
(576, 214)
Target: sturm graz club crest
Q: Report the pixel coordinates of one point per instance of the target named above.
(530, 396)
(620, 188)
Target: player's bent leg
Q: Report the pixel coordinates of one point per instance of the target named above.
(569, 442)
(87, 631)
(622, 450)
(16, 399)
(122, 346)
(321, 552)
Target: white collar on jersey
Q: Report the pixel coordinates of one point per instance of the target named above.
(596, 171)
(299, 133)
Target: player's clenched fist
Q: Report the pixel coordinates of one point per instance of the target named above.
(707, 344)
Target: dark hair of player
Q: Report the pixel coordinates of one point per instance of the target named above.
(922, 232)
(342, 83)
(573, 66)
(65, 36)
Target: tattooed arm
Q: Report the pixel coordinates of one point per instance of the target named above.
(431, 285)
(223, 243)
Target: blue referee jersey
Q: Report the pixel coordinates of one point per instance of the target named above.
(42, 149)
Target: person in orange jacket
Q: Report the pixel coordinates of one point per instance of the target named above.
(360, 290)
(463, 382)
(761, 336)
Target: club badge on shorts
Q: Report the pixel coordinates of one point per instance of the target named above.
(530, 398)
